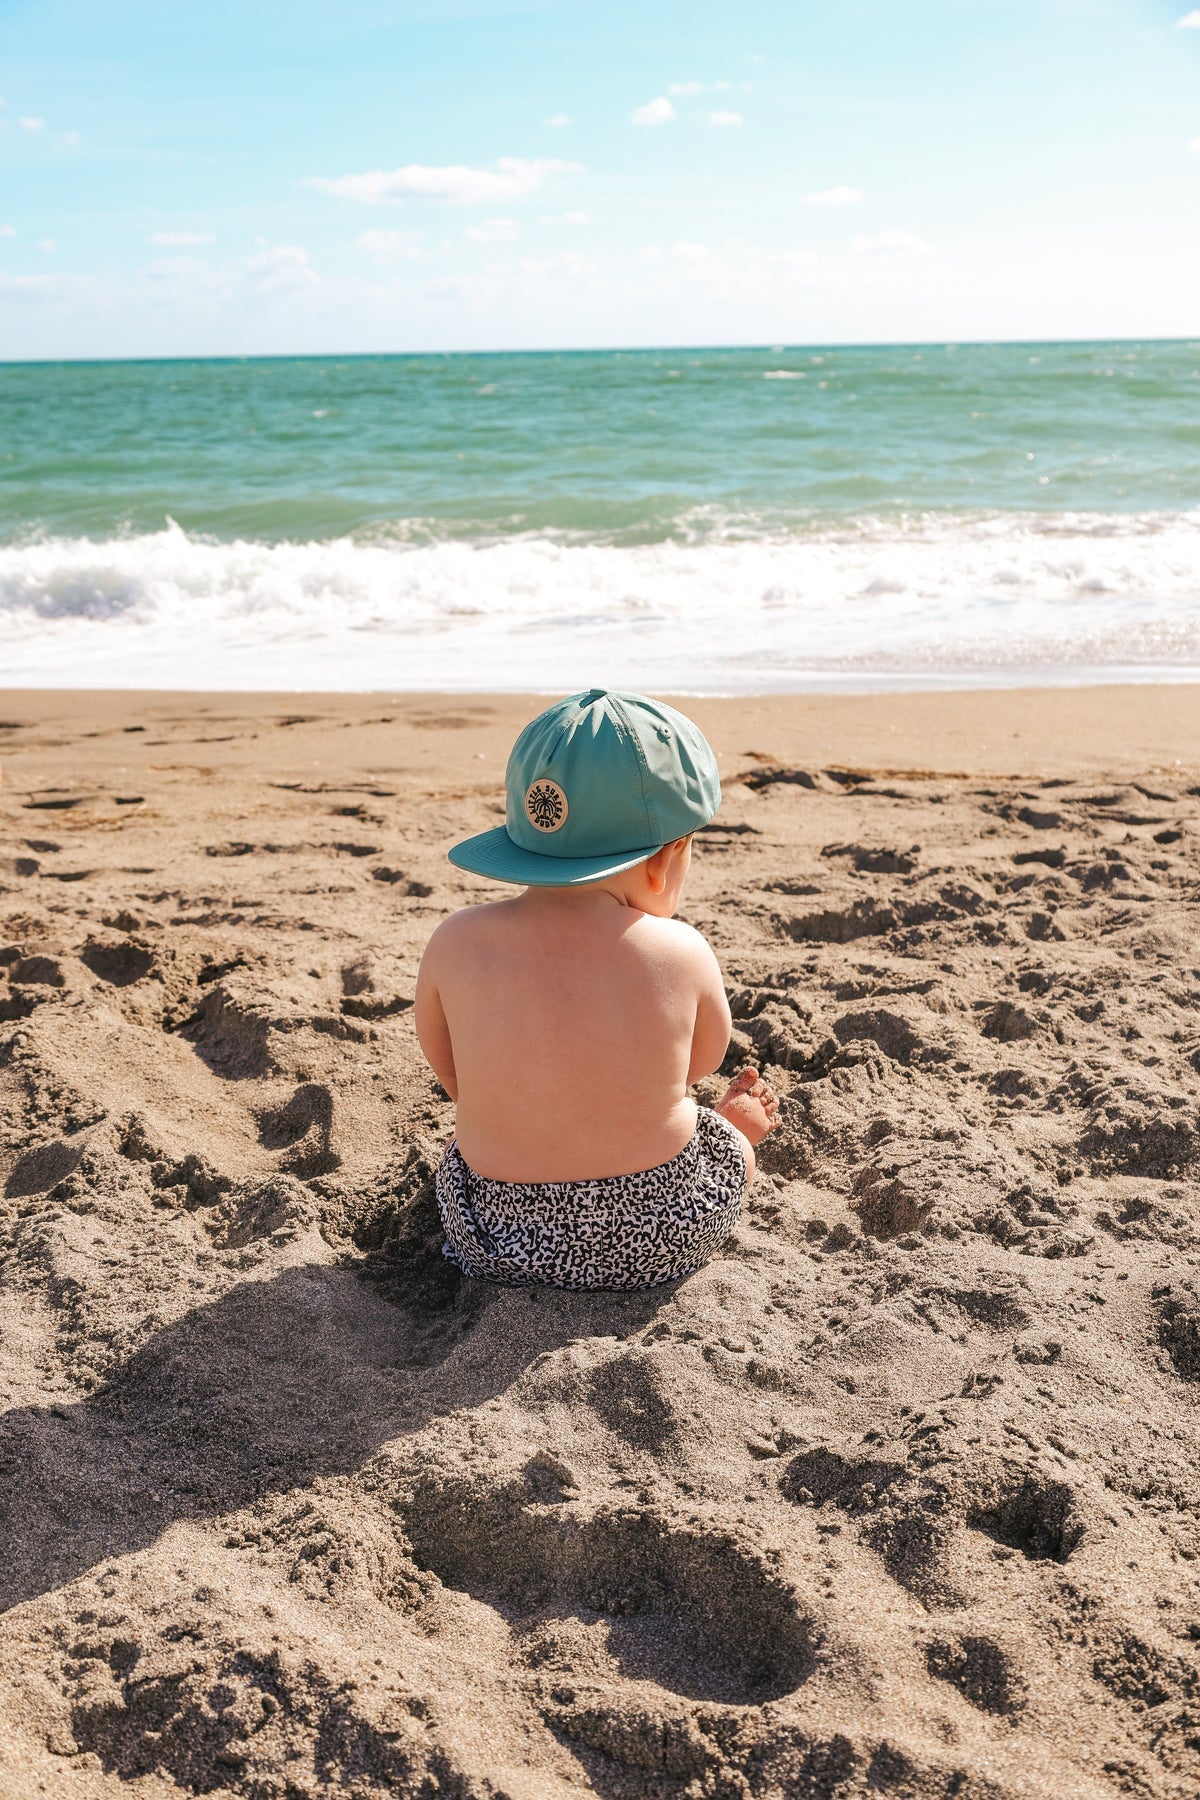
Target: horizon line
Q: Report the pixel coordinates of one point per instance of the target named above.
(782, 349)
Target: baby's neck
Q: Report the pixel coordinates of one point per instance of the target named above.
(578, 898)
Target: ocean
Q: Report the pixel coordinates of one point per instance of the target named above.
(721, 521)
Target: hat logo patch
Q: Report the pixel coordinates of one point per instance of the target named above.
(546, 805)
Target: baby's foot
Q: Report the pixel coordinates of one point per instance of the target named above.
(751, 1104)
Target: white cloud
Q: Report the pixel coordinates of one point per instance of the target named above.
(567, 218)
(32, 124)
(834, 196)
(724, 118)
(456, 183)
(181, 239)
(279, 269)
(165, 269)
(658, 111)
(733, 273)
(1189, 22)
(278, 283)
(47, 244)
(556, 121)
(71, 140)
(8, 231)
(282, 266)
(493, 231)
(889, 243)
(392, 246)
(38, 289)
(732, 290)
(1194, 144)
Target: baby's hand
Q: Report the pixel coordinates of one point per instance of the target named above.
(751, 1104)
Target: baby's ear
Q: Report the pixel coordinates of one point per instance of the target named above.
(656, 867)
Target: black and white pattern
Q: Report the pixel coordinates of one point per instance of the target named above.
(626, 1231)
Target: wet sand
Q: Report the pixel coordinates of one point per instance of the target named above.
(900, 1495)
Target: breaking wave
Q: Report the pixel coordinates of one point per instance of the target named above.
(922, 601)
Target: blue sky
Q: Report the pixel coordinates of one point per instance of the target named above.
(471, 174)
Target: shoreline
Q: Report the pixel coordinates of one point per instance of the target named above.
(810, 685)
(1002, 731)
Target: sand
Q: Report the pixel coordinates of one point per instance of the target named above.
(897, 1496)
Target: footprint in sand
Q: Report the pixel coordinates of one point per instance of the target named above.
(643, 1597)
(118, 964)
(980, 1669)
(303, 1129)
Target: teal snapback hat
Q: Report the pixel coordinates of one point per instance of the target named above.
(596, 783)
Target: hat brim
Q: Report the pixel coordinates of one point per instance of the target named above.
(494, 854)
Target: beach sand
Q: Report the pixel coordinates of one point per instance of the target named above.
(898, 1496)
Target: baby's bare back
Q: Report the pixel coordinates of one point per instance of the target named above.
(573, 1026)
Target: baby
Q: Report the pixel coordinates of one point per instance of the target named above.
(568, 1023)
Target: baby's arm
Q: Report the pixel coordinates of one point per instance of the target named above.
(433, 1033)
(713, 1027)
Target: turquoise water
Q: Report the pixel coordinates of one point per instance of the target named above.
(904, 513)
(627, 447)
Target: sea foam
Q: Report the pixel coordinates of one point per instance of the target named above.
(935, 599)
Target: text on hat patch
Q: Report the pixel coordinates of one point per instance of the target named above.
(546, 805)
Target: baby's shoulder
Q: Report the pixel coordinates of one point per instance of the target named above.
(673, 939)
(458, 930)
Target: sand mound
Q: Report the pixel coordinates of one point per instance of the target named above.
(897, 1496)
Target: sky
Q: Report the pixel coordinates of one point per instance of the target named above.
(303, 177)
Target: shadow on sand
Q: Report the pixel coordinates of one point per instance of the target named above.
(278, 1382)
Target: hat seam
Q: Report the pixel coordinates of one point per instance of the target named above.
(548, 764)
(617, 708)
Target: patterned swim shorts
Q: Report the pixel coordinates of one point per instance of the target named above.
(626, 1231)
